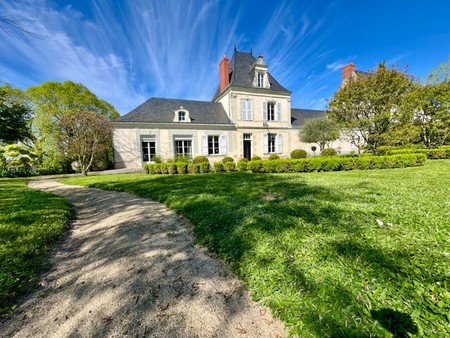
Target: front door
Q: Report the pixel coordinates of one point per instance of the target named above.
(248, 146)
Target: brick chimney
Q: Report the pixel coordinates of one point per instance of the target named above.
(224, 72)
(348, 71)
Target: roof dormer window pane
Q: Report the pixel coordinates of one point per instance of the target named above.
(260, 80)
(182, 116)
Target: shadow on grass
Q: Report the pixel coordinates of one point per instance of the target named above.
(300, 247)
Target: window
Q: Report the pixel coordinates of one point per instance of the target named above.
(246, 109)
(271, 111)
(182, 116)
(260, 80)
(213, 145)
(148, 149)
(272, 143)
(183, 147)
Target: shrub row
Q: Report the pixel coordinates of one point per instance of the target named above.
(432, 154)
(337, 163)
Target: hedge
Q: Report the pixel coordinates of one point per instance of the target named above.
(432, 154)
(336, 163)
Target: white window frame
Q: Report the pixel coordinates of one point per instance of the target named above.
(260, 80)
(276, 112)
(148, 140)
(274, 147)
(181, 116)
(222, 148)
(246, 109)
(183, 139)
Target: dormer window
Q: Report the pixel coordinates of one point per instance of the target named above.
(181, 115)
(260, 80)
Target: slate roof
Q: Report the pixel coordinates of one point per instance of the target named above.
(158, 110)
(242, 74)
(299, 116)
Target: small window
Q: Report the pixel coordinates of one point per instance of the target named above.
(271, 111)
(182, 116)
(148, 150)
(183, 147)
(272, 141)
(213, 145)
(260, 80)
(248, 137)
(246, 109)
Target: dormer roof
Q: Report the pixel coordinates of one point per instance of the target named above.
(242, 72)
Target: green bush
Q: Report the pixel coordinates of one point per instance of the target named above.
(218, 167)
(193, 168)
(163, 167)
(181, 158)
(227, 159)
(229, 166)
(274, 157)
(298, 153)
(157, 159)
(200, 159)
(204, 167)
(336, 163)
(432, 154)
(383, 150)
(182, 167)
(328, 152)
(256, 158)
(242, 164)
(171, 168)
(147, 168)
(16, 172)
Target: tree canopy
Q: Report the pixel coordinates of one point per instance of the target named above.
(83, 134)
(319, 130)
(14, 117)
(367, 107)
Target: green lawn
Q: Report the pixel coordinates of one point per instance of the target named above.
(309, 245)
(30, 222)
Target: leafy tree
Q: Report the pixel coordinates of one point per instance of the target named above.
(14, 116)
(82, 135)
(51, 101)
(426, 112)
(440, 74)
(319, 130)
(367, 107)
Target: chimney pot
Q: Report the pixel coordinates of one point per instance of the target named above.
(224, 71)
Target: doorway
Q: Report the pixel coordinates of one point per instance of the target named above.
(248, 146)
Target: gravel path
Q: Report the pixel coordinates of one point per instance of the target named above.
(130, 268)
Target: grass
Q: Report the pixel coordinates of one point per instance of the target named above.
(309, 245)
(30, 222)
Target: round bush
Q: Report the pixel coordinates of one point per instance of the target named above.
(298, 153)
(328, 152)
(256, 158)
(274, 157)
(242, 164)
(227, 159)
(200, 159)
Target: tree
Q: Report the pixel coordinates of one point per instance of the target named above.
(82, 135)
(440, 74)
(426, 111)
(319, 130)
(367, 107)
(14, 117)
(51, 101)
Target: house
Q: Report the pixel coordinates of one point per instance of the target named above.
(250, 114)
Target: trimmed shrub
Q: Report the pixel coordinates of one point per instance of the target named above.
(147, 168)
(336, 163)
(171, 168)
(163, 167)
(181, 158)
(218, 167)
(157, 159)
(181, 167)
(229, 166)
(298, 153)
(193, 168)
(432, 154)
(383, 150)
(256, 158)
(328, 152)
(242, 164)
(227, 159)
(274, 157)
(204, 167)
(200, 159)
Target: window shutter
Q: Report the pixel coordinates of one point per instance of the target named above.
(277, 111)
(204, 145)
(223, 145)
(264, 111)
(243, 109)
(279, 144)
(265, 144)
(249, 109)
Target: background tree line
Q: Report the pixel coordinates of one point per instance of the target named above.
(56, 127)
(387, 107)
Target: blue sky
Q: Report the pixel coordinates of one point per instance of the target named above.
(128, 51)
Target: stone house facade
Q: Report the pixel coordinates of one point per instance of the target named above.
(250, 114)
